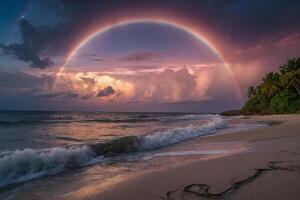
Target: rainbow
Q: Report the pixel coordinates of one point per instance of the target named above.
(169, 22)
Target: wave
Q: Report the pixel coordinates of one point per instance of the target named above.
(24, 165)
(173, 136)
(157, 139)
(197, 116)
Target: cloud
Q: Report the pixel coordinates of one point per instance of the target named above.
(168, 85)
(88, 80)
(48, 94)
(140, 56)
(105, 92)
(88, 96)
(70, 95)
(30, 48)
(91, 56)
(96, 58)
(62, 95)
(167, 88)
(18, 79)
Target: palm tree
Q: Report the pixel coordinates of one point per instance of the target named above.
(292, 65)
(271, 84)
(292, 79)
(251, 92)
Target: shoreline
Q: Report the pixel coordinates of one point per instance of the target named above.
(202, 178)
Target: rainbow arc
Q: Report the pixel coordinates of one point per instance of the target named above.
(102, 29)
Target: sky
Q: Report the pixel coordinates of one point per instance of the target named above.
(154, 56)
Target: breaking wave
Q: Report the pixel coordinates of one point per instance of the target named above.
(173, 136)
(24, 165)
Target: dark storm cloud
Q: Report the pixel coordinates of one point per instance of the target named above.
(30, 47)
(107, 91)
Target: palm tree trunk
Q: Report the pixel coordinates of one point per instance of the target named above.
(297, 87)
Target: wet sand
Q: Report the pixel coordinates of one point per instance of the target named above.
(270, 170)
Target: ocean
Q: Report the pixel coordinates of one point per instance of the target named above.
(38, 145)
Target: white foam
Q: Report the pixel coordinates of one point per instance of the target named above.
(23, 165)
(175, 135)
(198, 116)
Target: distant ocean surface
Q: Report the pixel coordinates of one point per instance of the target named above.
(35, 144)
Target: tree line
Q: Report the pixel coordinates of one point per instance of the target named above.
(278, 93)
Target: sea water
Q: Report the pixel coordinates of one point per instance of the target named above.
(38, 144)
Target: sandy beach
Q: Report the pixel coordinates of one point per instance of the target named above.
(270, 169)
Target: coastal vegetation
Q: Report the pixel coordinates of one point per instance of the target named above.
(278, 93)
